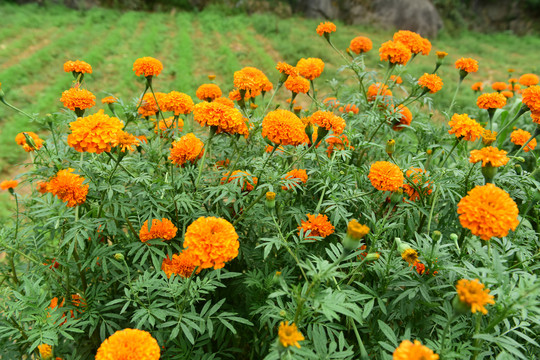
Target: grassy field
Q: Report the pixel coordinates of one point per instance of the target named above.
(35, 42)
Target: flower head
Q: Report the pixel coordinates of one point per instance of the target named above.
(488, 211)
(467, 65)
(8, 184)
(413, 41)
(472, 294)
(328, 121)
(310, 68)
(224, 101)
(418, 177)
(286, 69)
(245, 180)
(489, 137)
(41, 187)
(68, 187)
(251, 80)
(212, 242)
(289, 334)
(177, 102)
(531, 98)
(45, 351)
(529, 79)
(489, 155)
(410, 256)
(109, 100)
(168, 126)
(441, 54)
(94, 133)
(297, 84)
(519, 137)
(431, 82)
(297, 177)
(77, 66)
(386, 176)
(129, 344)
(326, 28)
(125, 141)
(161, 229)
(491, 101)
(349, 108)
(465, 128)
(337, 142)
(405, 118)
(395, 52)
(477, 86)
(360, 45)
(149, 106)
(78, 98)
(413, 351)
(208, 92)
(356, 230)
(499, 86)
(147, 66)
(397, 79)
(20, 139)
(507, 94)
(182, 264)
(225, 118)
(187, 148)
(283, 127)
(378, 89)
(317, 225)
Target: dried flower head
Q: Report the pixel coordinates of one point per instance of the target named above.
(289, 334)
(386, 176)
(472, 294)
(310, 68)
(212, 242)
(129, 344)
(187, 148)
(360, 45)
(161, 229)
(489, 155)
(147, 66)
(317, 225)
(208, 92)
(68, 187)
(465, 128)
(488, 211)
(94, 133)
(78, 98)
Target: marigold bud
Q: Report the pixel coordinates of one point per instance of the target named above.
(390, 146)
(355, 232)
(407, 252)
(211, 77)
(436, 236)
(489, 172)
(119, 257)
(372, 257)
(429, 151)
(270, 200)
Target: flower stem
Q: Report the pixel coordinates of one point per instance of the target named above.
(455, 95)
(206, 151)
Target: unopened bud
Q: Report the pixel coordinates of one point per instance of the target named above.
(282, 313)
(453, 237)
(489, 172)
(372, 257)
(29, 141)
(119, 257)
(436, 235)
(390, 146)
(270, 200)
(355, 232)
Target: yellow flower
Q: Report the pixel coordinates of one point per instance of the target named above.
(45, 351)
(289, 334)
(409, 351)
(472, 294)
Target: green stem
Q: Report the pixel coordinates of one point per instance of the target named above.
(476, 342)
(451, 151)
(445, 331)
(14, 108)
(455, 95)
(81, 273)
(253, 203)
(206, 151)
(286, 244)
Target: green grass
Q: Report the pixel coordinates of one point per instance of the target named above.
(35, 42)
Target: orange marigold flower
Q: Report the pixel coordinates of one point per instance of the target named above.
(127, 344)
(326, 28)
(464, 127)
(467, 64)
(225, 118)
(8, 184)
(251, 80)
(41, 187)
(177, 102)
(499, 86)
(488, 211)
(245, 180)
(317, 225)
(431, 82)
(337, 142)
(519, 137)
(531, 98)
(289, 334)
(386, 176)
(491, 101)
(310, 68)
(68, 187)
(397, 79)
(167, 126)
(286, 69)
(283, 127)
(297, 84)
(331, 101)
(507, 94)
(161, 229)
(395, 52)
(349, 108)
(413, 351)
(489, 137)
(77, 98)
(109, 100)
(147, 66)
(477, 86)
(411, 40)
(296, 177)
(420, 268)
(20, 139)
(149, 107)
(212, 242)
(78, 66)
(417, 176)
(94, 133)
(224, 101)
(489, 155)
(441, 54)
(208, 92)
(360, 45)
(405, 118)
(45, 351)
(125, 141)
(471, 293)
(529, 79)
(426, 47)
(181, 264)
(187, 148)
(378, 89)
(328, 121)
(536, 117)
